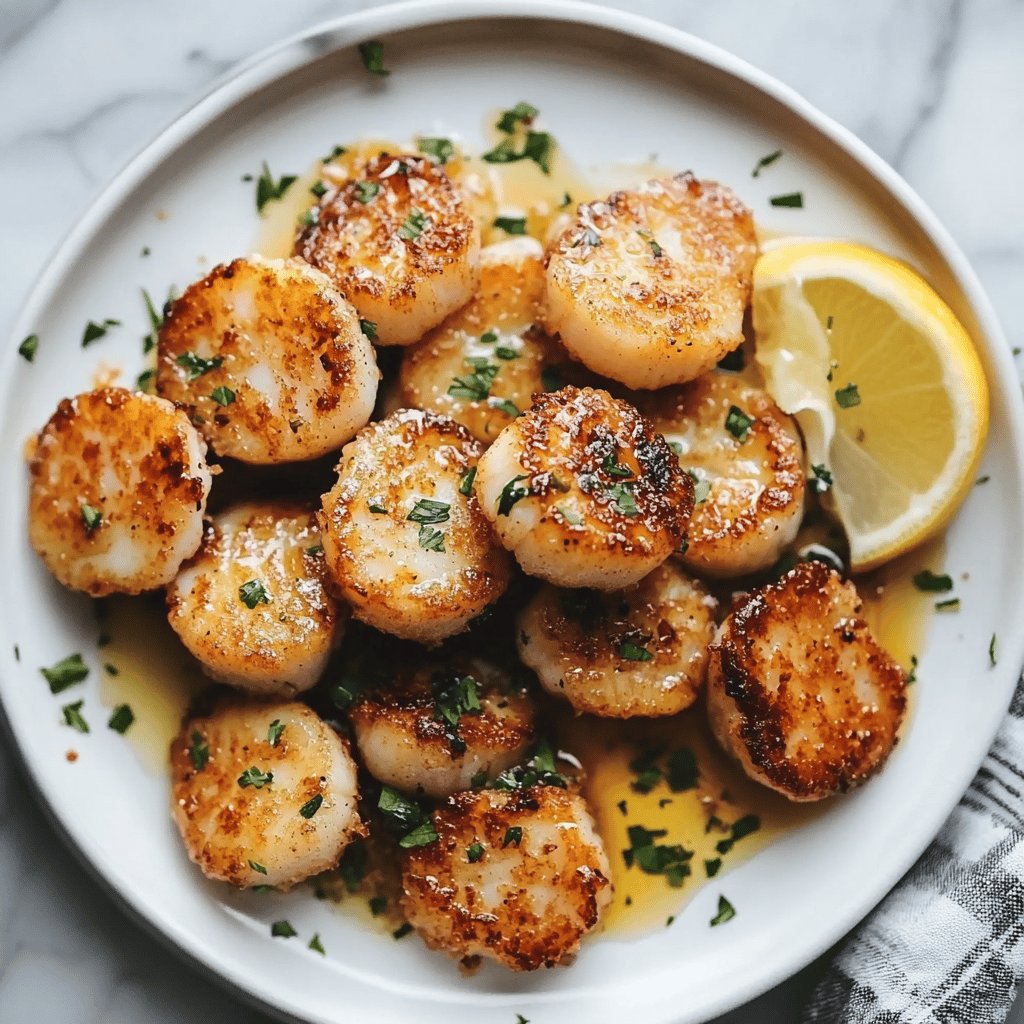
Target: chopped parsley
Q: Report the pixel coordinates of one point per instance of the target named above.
(318, 188)
(479, 779)
(223, 395)
(91, 517)
(992, 651)
(198, 751)
(822, 478)
(726, 912)
(430, 539)
(121, 719)
(94, 331)
(648, 772)
(454, 697)
(369, 329)
(511, 225)
(912, 676)
(551, 378)
(274, 731)
(794, 200)
(671, 860)
(513, 836)
(475, 386)
(378, 904)
(366, 191)
(711, 866)
(506, 353)
(510, 494)
(933, 583)
(489, 337)
(282, 930)
(257, 867)
(701, 487)
(950, 605)
(466, 483)
(371, 53)
(505, 405)
(613, 467)
(144, 380)
(848, 397)
(521, 113)
(354, 865)
(682, 771)
(376, 508)
(630, 651)
(73, 716)
(738, 423)
(439, 150)
(253, 593)
(982, 480)
(267, 190)
(401, 931)
(255, 778)
(28, 348)
(622, 496)
(156, 320)
(197, 365)
(316, 945)
(334, 154)
(406, 818)
(566, 201)
(540, 770)
(746, 825)
(537, 146)
(414, 226)
(311, 806)
(65, 673)
(766, 161)
(474, 852)
(429, 512)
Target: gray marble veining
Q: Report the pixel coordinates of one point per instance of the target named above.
(935, 86)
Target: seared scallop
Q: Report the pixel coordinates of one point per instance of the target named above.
(263, 793)
(584, 492)
(638, 651)
(251, 606)
(443, 727)
(399, 242)
(799, 691)
(747, 459)
(649, 287)
(404, 538)
(269, 361)
(118, 488)
(484, 364)
(516, 876)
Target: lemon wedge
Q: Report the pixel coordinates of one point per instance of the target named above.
(885, 383)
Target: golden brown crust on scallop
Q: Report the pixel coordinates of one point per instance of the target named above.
(139, 464)
(526, 906)
(800, 691)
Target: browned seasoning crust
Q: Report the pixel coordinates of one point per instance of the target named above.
(376, 559)
(798, 689)
(137, 462)
(290, 349)
(225, 826)
(526, 906)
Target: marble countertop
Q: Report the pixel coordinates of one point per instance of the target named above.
(935, 86)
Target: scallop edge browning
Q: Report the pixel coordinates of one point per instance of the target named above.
(127, 539)
(758, 709)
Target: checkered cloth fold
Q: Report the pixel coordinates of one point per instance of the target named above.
(947, 944)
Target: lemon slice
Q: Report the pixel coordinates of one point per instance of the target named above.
(885, 384)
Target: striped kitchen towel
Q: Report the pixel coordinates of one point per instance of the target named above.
(947, 944)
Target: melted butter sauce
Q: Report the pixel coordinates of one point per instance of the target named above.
(157, 677)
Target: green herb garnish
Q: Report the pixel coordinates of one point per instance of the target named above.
(822, 479)
(933, 583)
(726, 912)
(414, 225)
(28, 348)
(274, 731)
(378, 904)
(65, 673)
(311, 806)
(511, 225)
(366, 191)
(121, 719)
(738, 423)
(407, 818)
(746, 825)
(401, 931)
(73, 716)
(439, 150)
(475, 386)
(765, 161)
(429, 512)
(197, 365)
(369, 329)
(848, 397)
(223, 395)
(466, 483)
(91, 517)
(712, 866)
(316, 945)
(510, 494)
(521, 113)
(371, 53)
(94, 331)
(951, 605)
(255, 778)
(630, 651)
(622, 495)
(430, 539)
(791, 199)
(198, 751)
(474, 852)
(282, 930)
(268, 190)
(253, 593)
(513, 836)
(992, 651)
(540, 770)
(670, 860)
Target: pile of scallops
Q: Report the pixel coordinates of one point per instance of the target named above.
(556, 458)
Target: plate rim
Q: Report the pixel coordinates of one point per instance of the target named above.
(287, 55)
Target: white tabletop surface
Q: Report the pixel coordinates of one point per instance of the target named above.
(935, 86)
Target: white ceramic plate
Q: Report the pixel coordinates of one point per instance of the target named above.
(610, 86)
